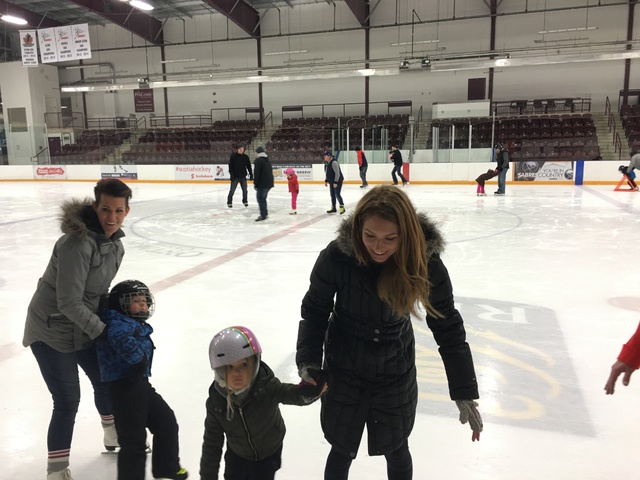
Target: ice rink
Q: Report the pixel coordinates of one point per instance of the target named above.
(544, 277)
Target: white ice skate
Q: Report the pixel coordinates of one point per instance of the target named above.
(111, 444)
(60, 475)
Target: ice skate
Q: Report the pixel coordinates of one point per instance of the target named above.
(342, 210)
(110, 439)
(111, 444)
(332, 210)
(293, 212)
(60, 475)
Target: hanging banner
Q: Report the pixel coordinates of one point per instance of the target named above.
(81, 43)
(64, 43)
(29, 48)
(143, 100)
(47, 42)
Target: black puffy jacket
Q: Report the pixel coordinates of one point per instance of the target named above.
(256, 430)
(369, 351)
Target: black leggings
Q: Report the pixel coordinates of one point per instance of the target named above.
(399, 465)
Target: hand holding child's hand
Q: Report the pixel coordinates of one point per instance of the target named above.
(315, 386)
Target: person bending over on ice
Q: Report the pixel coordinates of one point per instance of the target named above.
(356, 318)
(244, 399)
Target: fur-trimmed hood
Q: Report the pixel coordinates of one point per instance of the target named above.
(77, 217)
(435, 240)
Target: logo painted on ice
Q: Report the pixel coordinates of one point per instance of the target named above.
(524, 370)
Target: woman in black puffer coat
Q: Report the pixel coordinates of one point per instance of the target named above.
(356, 314)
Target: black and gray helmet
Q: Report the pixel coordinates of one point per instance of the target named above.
(123, 293)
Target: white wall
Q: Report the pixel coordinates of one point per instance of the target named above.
(425, 173)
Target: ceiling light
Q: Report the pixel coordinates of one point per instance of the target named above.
(13, 19)
(233, 80)
(141, 4)
(397, 44)
(178, 60)
(290, 52)
(566, 30)
(563, 40)
(404, 64)
(425, 62)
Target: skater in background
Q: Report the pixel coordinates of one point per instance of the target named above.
(363, 165)
(333, 179)
(356, 327)
(125, 357)
(628, 362)
(628, 171)
(263, 181)
(243, 407)
(482, 178)
(502, 157)
(294, 188)
(239, 167)
(62, 322)
(396, 157)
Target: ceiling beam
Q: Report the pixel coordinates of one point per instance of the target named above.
(129, 18)
(240, 13)
(360, 9)
(33, 19)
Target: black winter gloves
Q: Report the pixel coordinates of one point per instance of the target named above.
(310, 390)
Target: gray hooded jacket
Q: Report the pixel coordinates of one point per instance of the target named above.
(62, 312)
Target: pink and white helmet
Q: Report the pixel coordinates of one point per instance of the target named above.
(289, 171)
(233, 344)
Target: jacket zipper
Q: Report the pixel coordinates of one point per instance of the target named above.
(246, 429)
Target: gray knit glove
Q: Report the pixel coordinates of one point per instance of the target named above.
(303, 371)
(469, 413)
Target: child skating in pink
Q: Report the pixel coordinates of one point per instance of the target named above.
(294, 188)
(483, 178)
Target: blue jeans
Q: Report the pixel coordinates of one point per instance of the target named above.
(363, 175)
(232, 189)
(335, 193)
(397, 169)
(60, 373)
(261, 197)
(502, 180)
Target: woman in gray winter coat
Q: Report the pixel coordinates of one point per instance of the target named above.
(356, 323)
(62, 324)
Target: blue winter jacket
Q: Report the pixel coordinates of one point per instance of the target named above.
(128, 343)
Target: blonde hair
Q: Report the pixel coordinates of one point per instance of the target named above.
(404, 280)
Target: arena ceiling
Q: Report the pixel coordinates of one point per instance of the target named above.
(148, 24)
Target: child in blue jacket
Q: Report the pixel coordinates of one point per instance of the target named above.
(125, 364)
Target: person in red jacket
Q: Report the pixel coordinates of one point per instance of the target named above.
(294, 188)
(628, 361)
